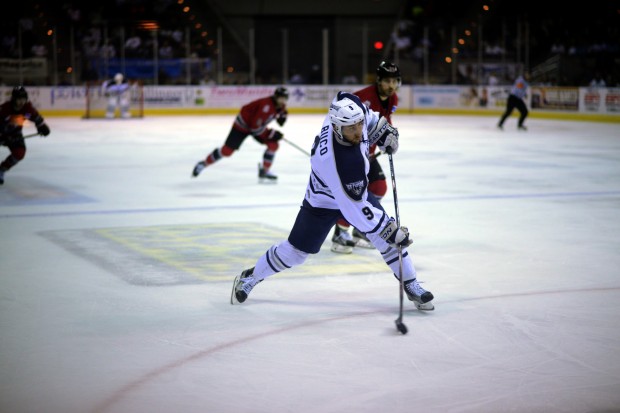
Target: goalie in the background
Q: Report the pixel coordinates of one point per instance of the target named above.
(118, 93)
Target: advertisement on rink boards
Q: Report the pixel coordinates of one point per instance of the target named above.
(600, 99)
(573, 99)
(555, 98)
(460, 97)
(71, 100)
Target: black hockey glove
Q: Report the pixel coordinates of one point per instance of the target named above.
(282, 118)
(43, 129)
(275, 135)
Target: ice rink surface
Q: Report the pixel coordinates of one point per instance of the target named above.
(116, 269)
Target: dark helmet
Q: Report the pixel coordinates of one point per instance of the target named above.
(387, 69)
(18, 92)
(280, 92)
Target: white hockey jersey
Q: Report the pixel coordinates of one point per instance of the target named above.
(339, 177)
(111, 88)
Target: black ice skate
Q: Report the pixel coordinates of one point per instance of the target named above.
(264, 175)
(342, 241)
(198, 168)
(242, 286)
(420, 297)
(361, 240)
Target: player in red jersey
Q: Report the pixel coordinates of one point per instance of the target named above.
(380, 97)
(252, 120)
(13, 114)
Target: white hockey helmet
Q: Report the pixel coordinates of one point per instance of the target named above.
(344, 112)
(118, 78)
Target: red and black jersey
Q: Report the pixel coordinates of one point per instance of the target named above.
(12, 121)
(254, 117)
(370, 97)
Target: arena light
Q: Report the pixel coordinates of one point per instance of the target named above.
(148, 25)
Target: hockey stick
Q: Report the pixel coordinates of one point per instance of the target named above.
(400, 326)
(296, 146)
(372, 157)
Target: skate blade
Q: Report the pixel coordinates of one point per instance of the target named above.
(233, 297)
(424, 307)
(341, 249)
(267, 181)
(362, 243)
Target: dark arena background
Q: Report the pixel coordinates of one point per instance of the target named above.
(116, 264)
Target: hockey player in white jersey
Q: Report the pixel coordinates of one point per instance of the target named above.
(338, 187)
(117, 90)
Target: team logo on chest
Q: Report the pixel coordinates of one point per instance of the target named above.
(355, 188)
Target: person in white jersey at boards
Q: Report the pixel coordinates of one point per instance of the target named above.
(117, 91)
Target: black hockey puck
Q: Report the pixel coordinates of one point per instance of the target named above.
(400, 326)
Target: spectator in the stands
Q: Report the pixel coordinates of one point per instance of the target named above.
(598, 80)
